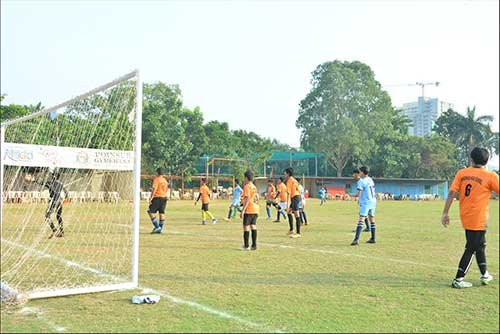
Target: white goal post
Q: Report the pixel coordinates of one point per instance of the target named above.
(70, 205)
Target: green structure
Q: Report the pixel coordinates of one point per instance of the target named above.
(304, 163)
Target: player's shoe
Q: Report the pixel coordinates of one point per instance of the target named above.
(371, 241)
(485, 280)
(203, 223)
(60, 234)
(156, 230)
(295, 236)
(290, 233)
(253, 248)
(245, 248)
(214, 221)
(355, 242)
(276, 221)
(460, 284)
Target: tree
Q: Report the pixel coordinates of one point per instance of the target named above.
(429, 157)
(13, 111)
(165, 141)
(345, 113)
(467, 132)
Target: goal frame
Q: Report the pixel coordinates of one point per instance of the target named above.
(134, 279)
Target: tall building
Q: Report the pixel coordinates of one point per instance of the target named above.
(424, 114)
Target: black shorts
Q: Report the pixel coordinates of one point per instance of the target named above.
(204, 206)
(250, 219)
(476, 240)
(295, 203)
(270, 202)
(158, 204)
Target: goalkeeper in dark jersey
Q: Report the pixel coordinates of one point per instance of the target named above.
(56, 188)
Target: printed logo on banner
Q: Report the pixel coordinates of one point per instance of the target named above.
(82, 157)
(18, 155)
(49, 155)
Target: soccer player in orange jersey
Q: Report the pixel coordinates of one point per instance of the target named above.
(250, 211)
(205, 200)
(473, 187)
(158, 201)
(294, 202)
(281, 194)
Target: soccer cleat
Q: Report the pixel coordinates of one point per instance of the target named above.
(371, 241)
(156, 230)
(245, 248)
(460, 284)
(295, 236)
(276, 221)
(485, 280)
(214, 221)
(289, 233)
(354, 243)
(306, 223)
(203, 223)
(366, 230)
(253, 248)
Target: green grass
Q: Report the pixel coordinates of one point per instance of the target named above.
(315, 284)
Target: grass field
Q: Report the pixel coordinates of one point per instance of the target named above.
(315, 284)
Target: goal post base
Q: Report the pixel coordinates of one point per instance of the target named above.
(77, 291)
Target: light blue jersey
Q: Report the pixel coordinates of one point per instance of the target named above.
(236, 195)
(322, 193)
(367, 187)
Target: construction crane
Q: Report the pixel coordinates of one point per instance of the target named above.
(421, 84)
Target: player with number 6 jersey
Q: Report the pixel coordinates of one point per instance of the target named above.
(473, 186)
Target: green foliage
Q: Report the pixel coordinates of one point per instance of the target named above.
(347, 114)
(467, 132)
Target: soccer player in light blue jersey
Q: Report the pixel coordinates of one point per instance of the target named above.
(367, 204)
(322, 195)
(235, 204)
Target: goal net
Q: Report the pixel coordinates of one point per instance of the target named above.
(70, 195)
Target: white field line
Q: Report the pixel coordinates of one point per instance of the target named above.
(41, 317)
(324, 251)
(207, 309)
(172, 298)
(67, 263)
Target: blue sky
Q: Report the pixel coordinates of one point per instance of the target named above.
(249, 62)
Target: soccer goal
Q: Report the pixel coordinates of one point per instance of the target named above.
(70, 180)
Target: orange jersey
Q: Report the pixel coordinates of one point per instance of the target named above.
(292, 186)
(283, 192)
(160, 187)
(250, 194)
(205, 194)
(271, 192)
(474, 186)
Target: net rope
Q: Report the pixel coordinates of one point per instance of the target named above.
(97, 209)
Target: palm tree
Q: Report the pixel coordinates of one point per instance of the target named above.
(476, 131)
